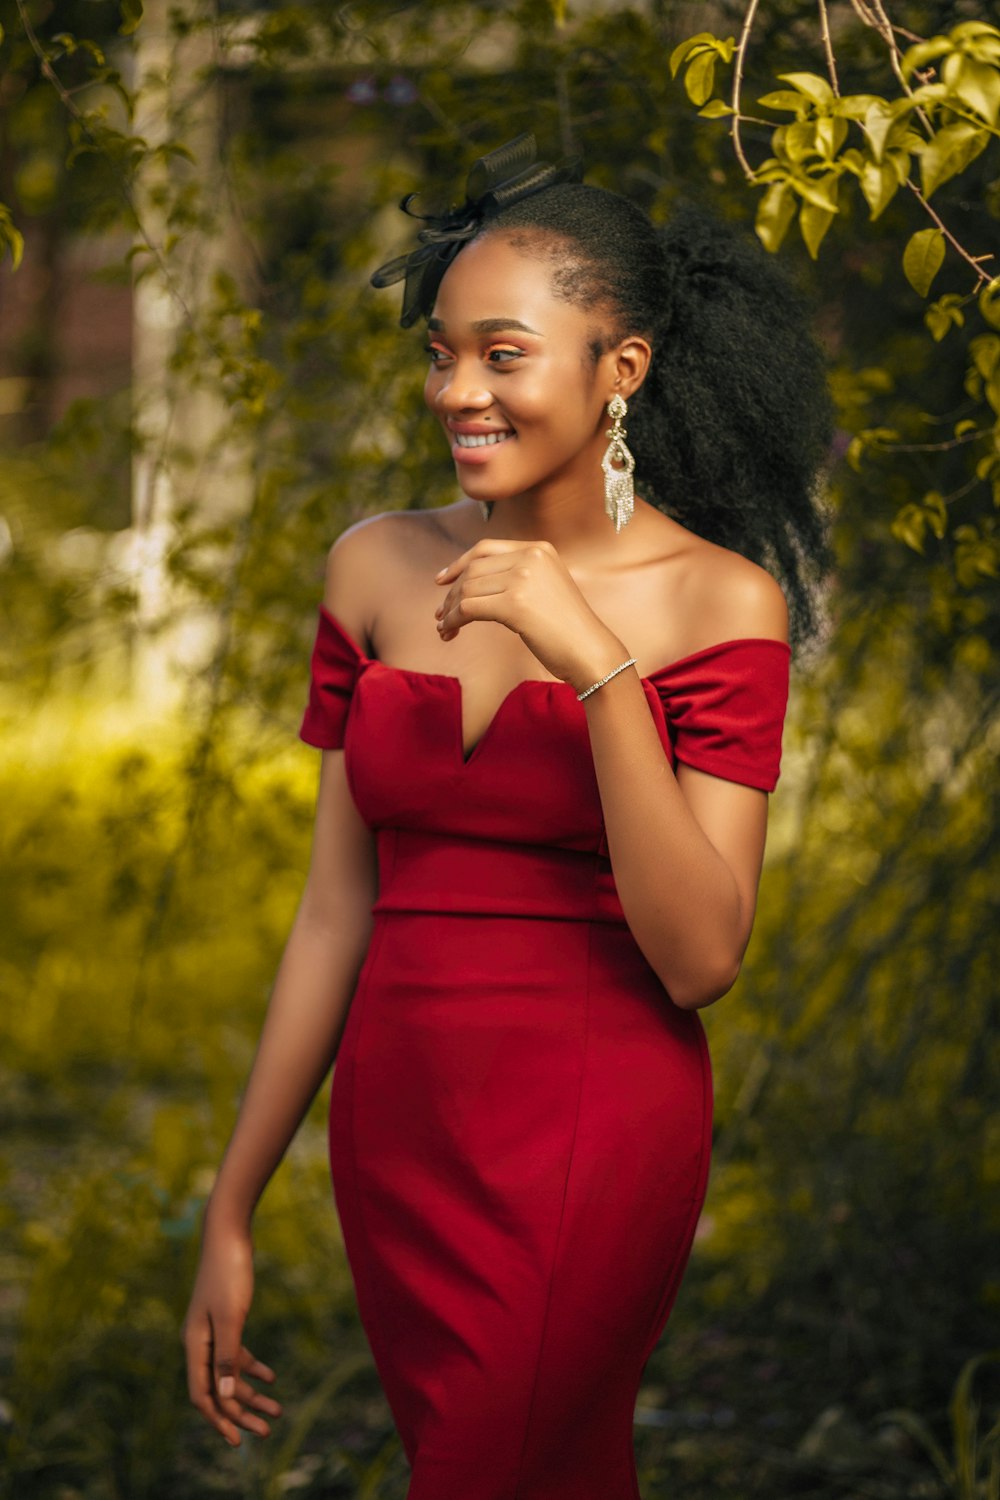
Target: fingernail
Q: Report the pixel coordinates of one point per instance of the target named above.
(440, 571)
(227, 1386)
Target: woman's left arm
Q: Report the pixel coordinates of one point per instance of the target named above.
(686, 847)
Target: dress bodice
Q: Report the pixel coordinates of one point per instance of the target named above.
(529, 782)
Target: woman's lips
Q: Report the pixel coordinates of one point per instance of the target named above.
(477, 447)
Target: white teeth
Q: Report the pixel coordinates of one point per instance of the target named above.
(479, 439)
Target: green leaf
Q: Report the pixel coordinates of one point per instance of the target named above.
(700, 77)
(855, 106)
(989, 302)
(831, 134)
(810, 84)
(878, 121)
(987, 49)
(799, 140)
(985, 351)
(13, 239)
(936, 513)
(979, 40)
(970, 31)
(944, 314)
(814, 222)
(949, 152)
(977, 84)
(775, 212)
(900, 163)
(704, 41)
(909, 526)
(855, 453)
(922, 53)
(822, 192)
(929, 93)
(922, 259)
(785, 99)
(879, 184)
(174, 148)
(715, 109)
(771, 171)
(963, 1407)
(961, 428)
(131, 17)
(975, 558)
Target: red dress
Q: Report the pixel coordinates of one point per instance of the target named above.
(520, 1120)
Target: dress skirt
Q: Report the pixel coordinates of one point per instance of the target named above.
(520, 1133)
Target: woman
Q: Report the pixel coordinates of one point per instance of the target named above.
(551, 715)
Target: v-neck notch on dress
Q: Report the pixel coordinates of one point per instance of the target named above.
(468, 756)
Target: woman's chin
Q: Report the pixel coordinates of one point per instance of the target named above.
(479, 488)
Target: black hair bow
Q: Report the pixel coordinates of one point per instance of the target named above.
(496, 180)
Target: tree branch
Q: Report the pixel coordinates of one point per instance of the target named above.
(958, 442)
(831, 62)
(886, 31)
(734, 129)
(873, 14)
(972, 260)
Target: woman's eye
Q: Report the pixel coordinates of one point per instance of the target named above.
(502, 356)
(436, 354)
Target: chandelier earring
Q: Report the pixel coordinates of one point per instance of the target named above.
(619, 466)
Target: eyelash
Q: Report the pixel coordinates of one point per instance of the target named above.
(435, 349)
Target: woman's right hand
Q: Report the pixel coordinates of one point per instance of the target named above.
(218, 1363)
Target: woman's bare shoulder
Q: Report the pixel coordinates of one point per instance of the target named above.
(375, 556)
(725, 596)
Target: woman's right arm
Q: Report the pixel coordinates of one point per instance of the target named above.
(305, 1019)
(299, 1041)
(309, 1003)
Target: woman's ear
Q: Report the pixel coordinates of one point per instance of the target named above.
(629, 365)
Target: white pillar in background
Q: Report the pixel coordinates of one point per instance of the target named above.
(175, 631)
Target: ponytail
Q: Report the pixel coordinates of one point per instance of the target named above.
(732, 428)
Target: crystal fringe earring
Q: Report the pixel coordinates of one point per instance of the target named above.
(619, 496)
(486, 506)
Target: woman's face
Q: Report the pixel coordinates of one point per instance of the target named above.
(512, 378)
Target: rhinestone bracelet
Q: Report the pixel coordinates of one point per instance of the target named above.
(586, 693)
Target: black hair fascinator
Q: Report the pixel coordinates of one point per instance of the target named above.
(495, 181)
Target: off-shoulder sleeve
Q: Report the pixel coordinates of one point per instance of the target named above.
(725, 707)
(333, 672)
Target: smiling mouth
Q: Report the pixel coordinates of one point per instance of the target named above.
(480, 439)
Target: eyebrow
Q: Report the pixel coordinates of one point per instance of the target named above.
(488, 325)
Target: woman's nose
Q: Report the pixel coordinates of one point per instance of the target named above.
(462, 391)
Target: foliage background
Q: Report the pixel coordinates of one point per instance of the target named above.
(155, 836)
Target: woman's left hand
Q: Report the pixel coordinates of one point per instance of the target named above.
(527, 587)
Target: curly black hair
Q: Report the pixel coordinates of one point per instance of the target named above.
(732, 428)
